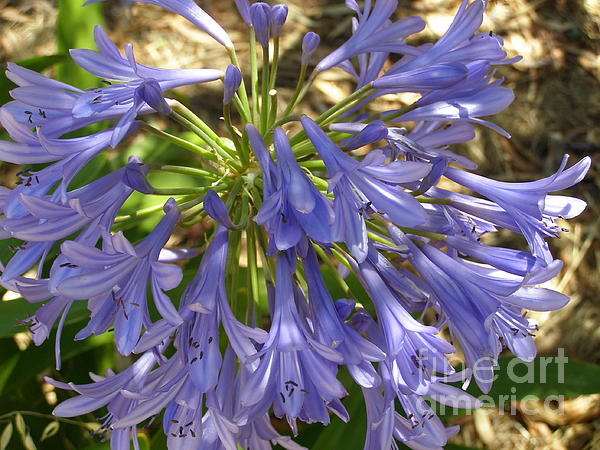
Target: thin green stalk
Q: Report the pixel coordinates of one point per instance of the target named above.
(336, 110)
(143, 212)
(246, 115)
(180, 142)
(182, 110)
(264, 106)
(234, 136)
(254, 76)
(85, 425)
(275, 64)
(325, 258)
(434, 201)
(400, 112)
(183, 190)
(184, 170)
(252, 272)
(225, 156)
(293, 101)
(273, 100)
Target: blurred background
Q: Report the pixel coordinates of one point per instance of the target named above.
(556, 111)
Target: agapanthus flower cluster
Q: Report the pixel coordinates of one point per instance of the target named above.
(351, 193)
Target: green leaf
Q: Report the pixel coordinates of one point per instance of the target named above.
(545, 376)
(6, 369)
(6, 435)
(346, 435)
(75, 29)
(37, 359)
(37, 63)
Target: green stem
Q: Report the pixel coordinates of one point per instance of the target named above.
(272, 109)
(325, 258)
(234, 136)
(186, 190)
(264, 106)
(183, 111)
(336, 110)
(85, 425)
(184, 170)
(253, 295)
(254, 76)
(275, 65)
(180, 142)
(141, 213)
(434, 201)
(400, 112)
(226, 157)
(293, 101)
(246, 115)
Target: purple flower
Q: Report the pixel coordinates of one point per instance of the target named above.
(138, 85)
(359, 185)
(192, 12)
(260, 14)
(482, 304)
(243, 7)
(310, 42)
(48, 105)
(528, 205)
(113, 391)
(292, 206)
(374, 33)
(296, 373)
(278, 17)
(357, 352)
(116, 279)
(232, 81)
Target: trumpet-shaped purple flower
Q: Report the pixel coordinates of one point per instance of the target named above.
(528, 205)
(359, 185)
(117, 279)
(374, 32)
(482, 304)
(358, 353)
(293, 206)
(48, 105)
(192, 12)
(296, 373)
(137, 86)
(116, 391)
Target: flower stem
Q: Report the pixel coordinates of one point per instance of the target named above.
(254, 76)
(234, 136)
(336, 110)
(434, 201)
(293, 101)
(264, 105)
(184, 170)
(180, 142)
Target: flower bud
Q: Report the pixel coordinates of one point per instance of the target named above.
(309, 45)
(232, 81)
(279, 15)
(260, 14)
